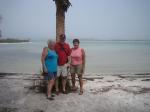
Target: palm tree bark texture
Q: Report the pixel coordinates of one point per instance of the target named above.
(61, 7)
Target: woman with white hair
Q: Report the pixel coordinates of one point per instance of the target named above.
(49, 64)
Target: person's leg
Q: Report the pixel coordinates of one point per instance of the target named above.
(81, 83)
(48, 94)
(73, 80)
(64, 78)
(57, 80)
(50, 86)
(79, 72)
(73, 76)
(57, 84)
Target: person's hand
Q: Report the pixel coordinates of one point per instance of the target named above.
(83, 70)
(45, 69)
(67, 65)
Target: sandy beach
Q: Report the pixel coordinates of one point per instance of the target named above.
(102, 93)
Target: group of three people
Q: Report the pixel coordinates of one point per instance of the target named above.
(57, 58)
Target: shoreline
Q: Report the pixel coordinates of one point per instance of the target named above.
(86, 74)
(15, 43)
(13, 40)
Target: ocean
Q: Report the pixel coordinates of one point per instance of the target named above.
(102, 57)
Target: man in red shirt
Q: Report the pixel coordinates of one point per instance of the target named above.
(63, 51)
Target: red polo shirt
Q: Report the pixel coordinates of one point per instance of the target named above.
(63, 51)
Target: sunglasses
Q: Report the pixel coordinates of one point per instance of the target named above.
(76, 45)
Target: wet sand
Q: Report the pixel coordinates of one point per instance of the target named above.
(102, 93)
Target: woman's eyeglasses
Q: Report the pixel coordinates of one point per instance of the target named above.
(75, 44)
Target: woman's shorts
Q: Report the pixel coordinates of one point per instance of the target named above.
(77, 69)
(50, 75)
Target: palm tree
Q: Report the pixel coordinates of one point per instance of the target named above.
(61, 7)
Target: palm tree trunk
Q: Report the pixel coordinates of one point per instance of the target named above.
(60, 20)
(60, 29)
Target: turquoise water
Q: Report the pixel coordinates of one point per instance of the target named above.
(103, 57)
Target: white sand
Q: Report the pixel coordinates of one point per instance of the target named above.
(109, 94)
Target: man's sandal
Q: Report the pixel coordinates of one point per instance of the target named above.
(52, 95)
(75, 88)
(81, 93)
(57, 92)
(64, 92)
(50, 98)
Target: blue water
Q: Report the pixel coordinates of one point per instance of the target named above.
(102, 57)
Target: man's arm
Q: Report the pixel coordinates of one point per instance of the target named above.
(69, 53)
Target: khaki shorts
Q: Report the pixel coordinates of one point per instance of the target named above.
(76, 69)
(62, 70)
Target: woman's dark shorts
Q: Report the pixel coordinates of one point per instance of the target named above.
(50, 75)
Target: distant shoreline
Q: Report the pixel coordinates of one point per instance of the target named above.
(109, 40)
(11, 40)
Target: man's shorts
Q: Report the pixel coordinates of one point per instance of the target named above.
(76, 69)
(62, 70)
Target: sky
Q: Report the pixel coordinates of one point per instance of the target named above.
(92, 19)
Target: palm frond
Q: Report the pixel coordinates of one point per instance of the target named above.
(65, 4)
